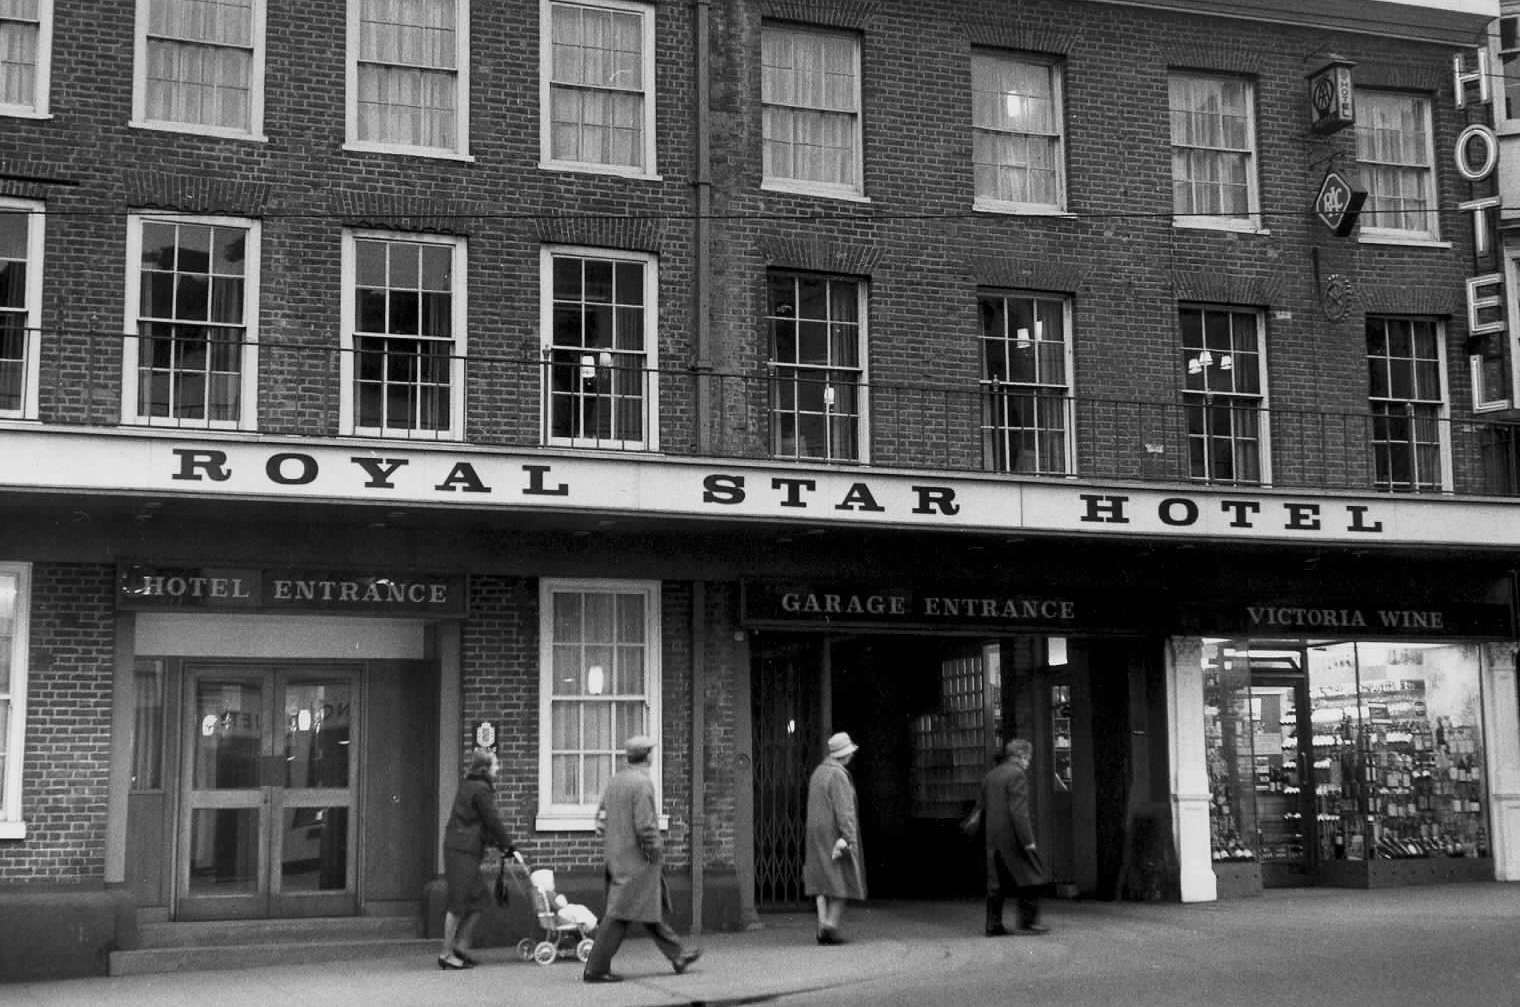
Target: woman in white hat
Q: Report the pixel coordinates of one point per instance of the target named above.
(834, 869)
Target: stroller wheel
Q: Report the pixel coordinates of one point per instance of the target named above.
(583, 949)
(545, 953)
(525, 949)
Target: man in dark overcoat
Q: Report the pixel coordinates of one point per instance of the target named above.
(630, 826)
(1013, 861)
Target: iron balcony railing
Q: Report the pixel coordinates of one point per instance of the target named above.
(601, 399)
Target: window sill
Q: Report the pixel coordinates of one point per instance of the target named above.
(577, 167)
(399, 151)
(1408, 241)
(1021, 209)
(24, 113)
(12, 830)
(209, 132)
(567, 821)
(1227, 226)
(818, 192)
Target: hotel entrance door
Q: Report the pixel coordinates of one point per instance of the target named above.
(269, 795)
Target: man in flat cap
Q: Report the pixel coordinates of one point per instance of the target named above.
(630, 826)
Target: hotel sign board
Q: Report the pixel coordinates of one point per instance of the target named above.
(393, 593)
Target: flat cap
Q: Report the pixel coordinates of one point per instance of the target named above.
(638, 744)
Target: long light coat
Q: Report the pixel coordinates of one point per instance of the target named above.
(832, 814)
(631, 839)
(1005, 813)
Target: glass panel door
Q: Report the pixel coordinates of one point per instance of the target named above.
(315, 795)
(1284, 782)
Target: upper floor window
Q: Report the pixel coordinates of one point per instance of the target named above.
(599, 685)
(1223, 394)
(1509, 68)
(1213, 151)
(810, 100)
(817, 366)
(20, 306)
(1016, 124)
(15, 615)
(200, 66)
(190, 356)
(26, 46)
(403, 335)
(1026, 383)
(598, 65)
(1407, 397)
(1393, 145)
(408, 76)
(600, 348)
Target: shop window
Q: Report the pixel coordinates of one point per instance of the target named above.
(599, 665)
(148, 724)
(26, 56)
(1393, 146)
(1016, 133)
(1224, 394)
(600, 348)
(200, 66)
(810, 109)
(598, 65)
(15, 610)
(1026, 384)
(190, 359)
(20, 306)
(1213, 151)
(817, 366)
(403, 320)
(1407, 398)
(408, 76)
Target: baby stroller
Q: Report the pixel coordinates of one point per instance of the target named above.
(564, 928)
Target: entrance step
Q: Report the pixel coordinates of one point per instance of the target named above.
(239, 944)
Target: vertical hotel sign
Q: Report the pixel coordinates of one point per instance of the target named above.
(1476, 154)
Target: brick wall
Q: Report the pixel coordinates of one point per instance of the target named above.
(68, 729)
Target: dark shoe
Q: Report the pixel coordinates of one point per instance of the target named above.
(451, 964)
(601, 977)
(1033, 930)
(829, 936)
(469, 962)
(684, 959)
(996, 931)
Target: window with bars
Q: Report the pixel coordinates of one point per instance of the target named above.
(1224, 394)
(403, 365)
(1213, 151)
(1393, 146)
(599, 65)
(21, 247)
(601, 379)
(26, 30)
(409, 84)
(1407, 398)
(190, 354)
(200, 65)
(817, 366)
(600, 685)
(810, 107)
(1026, 384)
(15, 613)
(1016, 121)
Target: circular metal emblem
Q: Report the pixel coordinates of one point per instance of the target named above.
(1336, 297)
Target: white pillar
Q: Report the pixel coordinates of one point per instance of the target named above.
(1501, 741)
(1188, 765)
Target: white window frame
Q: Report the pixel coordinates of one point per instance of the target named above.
(41, 83)
(1370, 230)
(1443, 411)
(1250, 221)
(12, 825)
(552, 817)
(995, 390)
(348, 407)
(461, 149)
(1506, 66)
(255, 130)
(131, 345)
(861, 370)
(547, 160)
(1204, 399)
(1055, 71)
(32, 299)
(855, 187)
(650, 383)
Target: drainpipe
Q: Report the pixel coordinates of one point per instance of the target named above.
(702, 182)
(698, 750)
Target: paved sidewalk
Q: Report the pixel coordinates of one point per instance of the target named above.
(894, 946)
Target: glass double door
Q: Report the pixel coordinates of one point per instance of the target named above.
(269, 793)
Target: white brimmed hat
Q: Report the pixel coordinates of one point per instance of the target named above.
(840, 745)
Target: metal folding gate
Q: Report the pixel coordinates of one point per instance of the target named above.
(786, 699)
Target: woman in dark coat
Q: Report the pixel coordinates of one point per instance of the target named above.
(833, 869)
(472, 823)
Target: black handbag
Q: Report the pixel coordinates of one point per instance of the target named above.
(501, 892)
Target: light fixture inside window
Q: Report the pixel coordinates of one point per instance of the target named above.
(1055, 651)
(595, 680)
(828, 396)
(588, 367)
